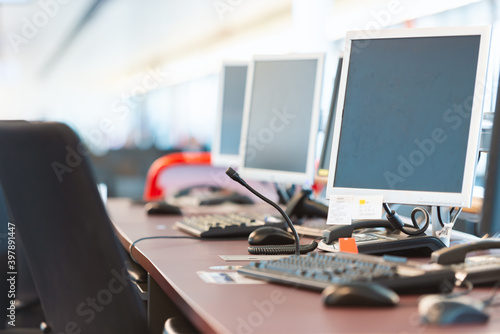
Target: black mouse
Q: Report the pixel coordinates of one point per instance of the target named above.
(443, 310)
(270, 235)
(359, 294)
(162, 208)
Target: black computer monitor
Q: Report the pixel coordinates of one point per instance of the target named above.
(409, 115)
(226, 142)
(326, 150)
(490, 221)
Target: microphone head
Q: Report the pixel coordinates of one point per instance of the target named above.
(232, 174)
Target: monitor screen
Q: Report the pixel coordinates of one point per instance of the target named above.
(326, 151)
(409, 115)
(281, 117)
(226, 143)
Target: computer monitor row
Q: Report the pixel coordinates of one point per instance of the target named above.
(268, 117)
(404, 121)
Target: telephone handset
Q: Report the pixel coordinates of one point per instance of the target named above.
(335, 232)
(393, 241)
(392, 223)
(456, 254)
(477, 269)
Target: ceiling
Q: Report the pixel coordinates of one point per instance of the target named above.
(113, 35)
(58, 56)
(51, 48)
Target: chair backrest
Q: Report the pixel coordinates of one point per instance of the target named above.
(12, 253)
(77, 263)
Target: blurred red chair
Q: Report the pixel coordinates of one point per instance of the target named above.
(153, 191)
(176, 172)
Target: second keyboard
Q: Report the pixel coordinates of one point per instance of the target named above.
(225, 225)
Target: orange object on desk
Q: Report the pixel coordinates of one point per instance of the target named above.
(348, 245)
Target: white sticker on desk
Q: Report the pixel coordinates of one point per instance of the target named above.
(367, 207)
(340, 210)
(219, 277)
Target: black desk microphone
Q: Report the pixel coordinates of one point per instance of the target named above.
(235, 176)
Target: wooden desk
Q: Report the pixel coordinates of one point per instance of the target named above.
(259, 308)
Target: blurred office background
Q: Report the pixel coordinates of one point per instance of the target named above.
(138, 78)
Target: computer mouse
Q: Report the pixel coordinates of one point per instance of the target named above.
(162, 208)
(359, 294)
(270, 235)
(443, 310)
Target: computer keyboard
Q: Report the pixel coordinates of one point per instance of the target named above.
(318, 270)
(225, 225)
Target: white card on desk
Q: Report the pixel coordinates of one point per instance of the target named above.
(250, 257)
(216, 277)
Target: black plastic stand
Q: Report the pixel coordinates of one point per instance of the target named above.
(302, 205)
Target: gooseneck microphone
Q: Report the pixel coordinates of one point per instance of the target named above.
(236, 177)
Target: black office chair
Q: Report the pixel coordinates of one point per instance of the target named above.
(28, 312)
(75, 258)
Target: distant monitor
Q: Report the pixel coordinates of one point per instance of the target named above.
(326, 151)
(281, 117)
(409, 114)
(490, 220)
(226, 144)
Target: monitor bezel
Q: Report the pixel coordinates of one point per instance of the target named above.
(305, 178)
(462, 199)
(220, 159)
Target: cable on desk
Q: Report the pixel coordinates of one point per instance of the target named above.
(467, 284)
(156, 237)
(132, 245)
(489, 301)
(454, 217)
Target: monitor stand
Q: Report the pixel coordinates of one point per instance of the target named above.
(444, 234)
